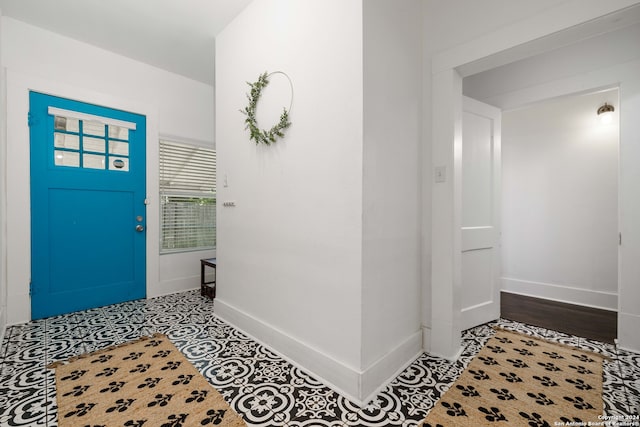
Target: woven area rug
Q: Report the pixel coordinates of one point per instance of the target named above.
(517, 380)
(147, 382)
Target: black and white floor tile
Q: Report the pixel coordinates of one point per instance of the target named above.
(262, 387)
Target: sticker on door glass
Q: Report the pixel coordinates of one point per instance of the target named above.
(121, 164)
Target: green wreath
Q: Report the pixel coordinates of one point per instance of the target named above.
(261, 135)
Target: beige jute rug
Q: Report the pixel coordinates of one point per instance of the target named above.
(517, 380)
(146, 382)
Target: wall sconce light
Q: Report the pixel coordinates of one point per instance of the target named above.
(605, 113)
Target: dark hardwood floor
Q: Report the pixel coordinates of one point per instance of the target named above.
(587, 322)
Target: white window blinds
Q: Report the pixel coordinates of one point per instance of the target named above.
(188, 198)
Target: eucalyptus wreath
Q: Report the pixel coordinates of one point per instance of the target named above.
(261, 135)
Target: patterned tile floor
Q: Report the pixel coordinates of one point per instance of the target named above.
(262, 387)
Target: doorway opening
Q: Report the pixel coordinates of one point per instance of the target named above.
(551, 79)
(560, 236)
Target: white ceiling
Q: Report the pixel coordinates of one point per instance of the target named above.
(176, 35)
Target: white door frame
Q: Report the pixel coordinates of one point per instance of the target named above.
(564, 24)
(19, 83)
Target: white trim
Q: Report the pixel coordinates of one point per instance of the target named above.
(562, 293)
(426, 338)
(478, 314)
(173, 286)
(18, 237)
(359, 386)
(628, 336)
(3, 202)
(376, 377)
(335, 374)
(3, 323)
(54, 111)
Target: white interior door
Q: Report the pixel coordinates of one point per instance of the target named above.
(480, 217)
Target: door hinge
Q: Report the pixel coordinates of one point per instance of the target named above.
(30, 288)
(620, 239)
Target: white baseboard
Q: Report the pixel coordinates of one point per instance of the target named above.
(339, 376)
(18, 309)
(359, 386)
(567, 294)
(479, 314)
(426, 344)
(3, 323)
(166, 287)
(426, 338)
(385, 369)
(628, 336)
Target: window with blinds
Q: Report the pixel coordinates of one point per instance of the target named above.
(187, 197)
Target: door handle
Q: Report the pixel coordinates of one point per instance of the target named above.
(139, 228)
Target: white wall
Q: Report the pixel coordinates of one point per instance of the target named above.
(41, 60)
(391, 194)
(455, 22)
(560, 201)
(3, 196)
(290, 250)
(326, 224)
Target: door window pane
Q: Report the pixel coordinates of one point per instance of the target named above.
(92, 128)
(93, 144)
(67, 158)
(92, 161)
(65, 140)
(66, 123)
(118, 132)
(120, 148)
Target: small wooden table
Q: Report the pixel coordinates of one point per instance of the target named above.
(208, 288)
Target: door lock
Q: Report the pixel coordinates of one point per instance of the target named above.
(139, 228)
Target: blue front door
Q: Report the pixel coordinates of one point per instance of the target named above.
(88, 213)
